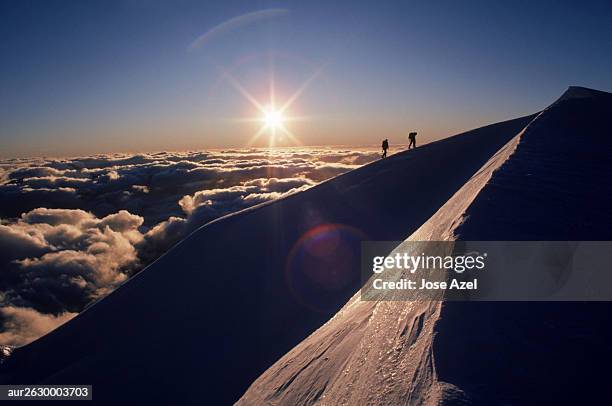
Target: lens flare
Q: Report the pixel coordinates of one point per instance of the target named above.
(274, 119)
(324, 264)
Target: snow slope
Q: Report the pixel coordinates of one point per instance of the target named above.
(202, 322)
(556, 186)
(549, 182)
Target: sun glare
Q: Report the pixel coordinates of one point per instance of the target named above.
(273, 119)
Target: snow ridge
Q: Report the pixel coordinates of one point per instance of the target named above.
(387, 358)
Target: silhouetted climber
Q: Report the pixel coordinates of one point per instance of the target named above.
(385, 147)
(412, 138)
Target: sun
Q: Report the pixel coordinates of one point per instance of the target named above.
(273, 119)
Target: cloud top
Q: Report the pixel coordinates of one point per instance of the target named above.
(72, 230)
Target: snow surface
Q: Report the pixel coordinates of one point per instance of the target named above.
(551, 181)
(213, 313)
(374, 352)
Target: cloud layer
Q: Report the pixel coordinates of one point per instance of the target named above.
(72, 230)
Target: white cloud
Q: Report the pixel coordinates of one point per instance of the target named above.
(71, 230)
(23, 325)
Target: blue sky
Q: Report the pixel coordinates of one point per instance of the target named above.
(100, 76)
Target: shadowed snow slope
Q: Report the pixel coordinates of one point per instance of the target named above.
(202, 322)
(556, 186)
(550, 182)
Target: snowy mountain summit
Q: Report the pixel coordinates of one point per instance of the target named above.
(547, 183)
(260, 307)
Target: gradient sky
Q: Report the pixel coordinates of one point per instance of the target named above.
(82, 77)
